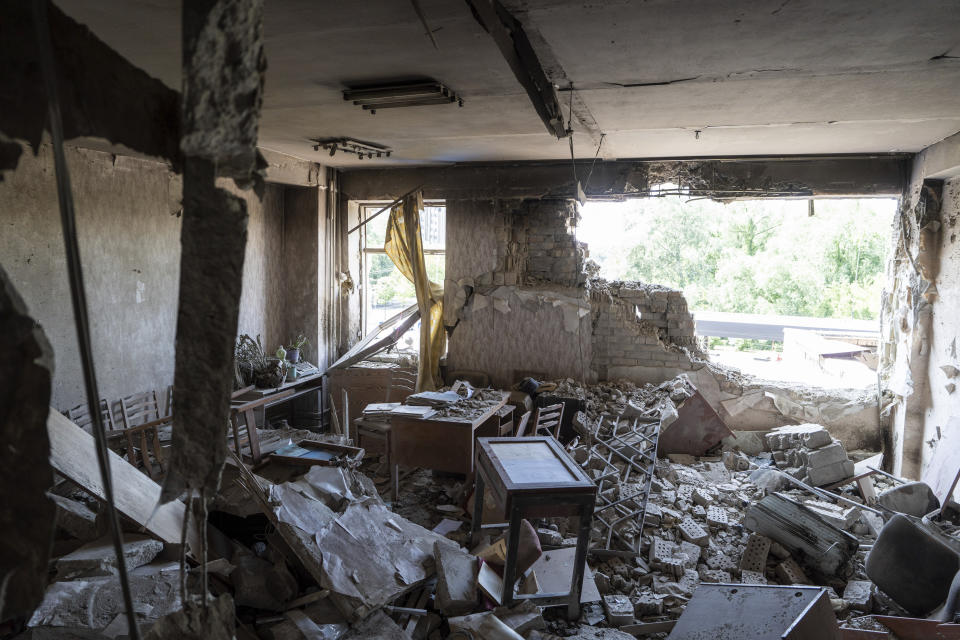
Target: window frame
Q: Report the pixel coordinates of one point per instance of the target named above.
(368, 207)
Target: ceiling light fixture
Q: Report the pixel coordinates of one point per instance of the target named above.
(401, 95)
(352, 145)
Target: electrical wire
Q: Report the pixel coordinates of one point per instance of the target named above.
(78, 297)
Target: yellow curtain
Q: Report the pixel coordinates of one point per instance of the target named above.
(404, 245)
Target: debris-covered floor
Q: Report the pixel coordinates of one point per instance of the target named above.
(317, 552)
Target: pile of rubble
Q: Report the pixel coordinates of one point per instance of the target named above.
(808, 453)
(315, 552)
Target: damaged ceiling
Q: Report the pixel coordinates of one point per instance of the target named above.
(754, 78)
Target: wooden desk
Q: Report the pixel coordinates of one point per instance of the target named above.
(438, 443)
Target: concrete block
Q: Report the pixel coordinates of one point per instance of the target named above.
(859, 595)
(619, 609)
(752, 577)
(717, 517)
(456, 580)
(817, 438)
(714, 575)
(824, 456)
(789, 572)
(98, 559)
(754, 556)
(647, 604)
(702, 497)
(693, 532)
(689, 554)
(818, 476)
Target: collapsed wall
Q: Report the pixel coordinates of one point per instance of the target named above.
(522, 298)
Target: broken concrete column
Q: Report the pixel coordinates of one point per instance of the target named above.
(223, 65)
(26, 512)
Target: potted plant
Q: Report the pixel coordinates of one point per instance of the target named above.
(293, 349)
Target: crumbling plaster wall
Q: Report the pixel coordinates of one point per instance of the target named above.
(129, 232)
(555, 325)
(919, 319)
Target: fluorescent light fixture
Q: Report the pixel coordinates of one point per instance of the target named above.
(393, 96)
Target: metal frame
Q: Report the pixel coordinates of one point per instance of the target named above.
(636, 450)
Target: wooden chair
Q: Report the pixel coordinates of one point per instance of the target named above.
(400, 386)
(80, 416)
(522, 424)
(548, 421)
(243, 420)
(142, 420)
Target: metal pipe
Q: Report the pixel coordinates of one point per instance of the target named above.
(78, 297)
(828, 495)
(389, 206)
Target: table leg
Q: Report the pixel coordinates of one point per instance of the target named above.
(513, 546)
(477, 521)
(579, 562)
(252, 436)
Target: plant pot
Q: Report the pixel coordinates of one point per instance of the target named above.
(291, 374)
(271, 375)
(293, 355)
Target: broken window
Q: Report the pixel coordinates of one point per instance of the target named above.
(761, 276)
(386, 292)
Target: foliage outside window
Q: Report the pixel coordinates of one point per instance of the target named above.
(386, 291)
(761, 256)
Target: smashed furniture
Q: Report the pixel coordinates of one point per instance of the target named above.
(621, 462)
(914, 563)
(534, 477)
(757, 612)
(824, 548)
(136, 495)
(693, 427)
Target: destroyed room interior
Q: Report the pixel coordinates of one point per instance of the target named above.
(479, 319)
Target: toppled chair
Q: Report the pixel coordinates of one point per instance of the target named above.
(913, 563)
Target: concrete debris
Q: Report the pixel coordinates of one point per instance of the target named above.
(261, 584)
(76, 518)
(808, 453)
(197, 621)
(456, 580)
(98, 559)
(826, 549)
(93, 603)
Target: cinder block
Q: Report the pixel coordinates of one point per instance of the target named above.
(789, 572)
(754, 556)
(693, 532)
(717, 517)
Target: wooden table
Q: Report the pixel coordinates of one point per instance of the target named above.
(534, 478)
(440, 443)
(312, 383)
